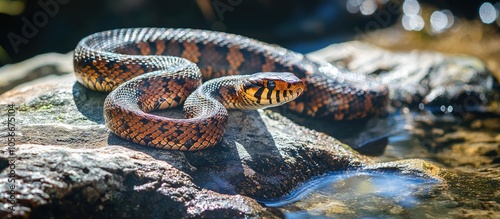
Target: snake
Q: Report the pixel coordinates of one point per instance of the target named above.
(148, 69)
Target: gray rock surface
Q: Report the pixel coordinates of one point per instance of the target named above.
(68, 162)
(427, 77)
(36, 67)
(111, 182)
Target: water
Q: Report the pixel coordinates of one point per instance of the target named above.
(464, 192)
(361, 194)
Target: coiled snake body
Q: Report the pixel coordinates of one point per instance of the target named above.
(138, 67)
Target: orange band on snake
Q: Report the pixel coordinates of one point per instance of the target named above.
(147, 69)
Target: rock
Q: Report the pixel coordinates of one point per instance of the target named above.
(473, 142)
(36, 67)
(67, 162)
(109, 182)
(420, 78)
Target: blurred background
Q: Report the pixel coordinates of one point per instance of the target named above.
(31, 27)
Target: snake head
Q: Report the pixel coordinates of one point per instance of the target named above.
(267, 89)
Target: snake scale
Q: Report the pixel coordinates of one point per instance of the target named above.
(147, 69)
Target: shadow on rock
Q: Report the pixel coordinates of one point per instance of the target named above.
(367, 136)
(248, 151)
(89, 103)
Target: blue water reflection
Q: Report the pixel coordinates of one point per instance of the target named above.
(356, 193)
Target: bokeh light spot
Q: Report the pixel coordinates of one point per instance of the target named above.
(352, 6)
(368, 7)
(488, 13)
(413, 22)
(411, 7)
(439, 21)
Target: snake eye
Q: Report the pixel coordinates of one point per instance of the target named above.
(250, 85)
(271, 85)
